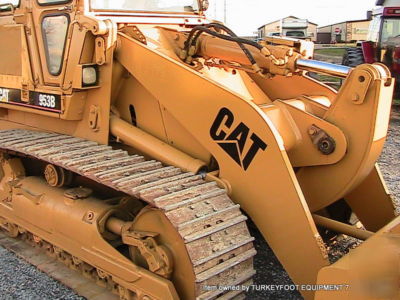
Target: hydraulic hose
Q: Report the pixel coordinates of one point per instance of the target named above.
(192, 40)
(198, 30)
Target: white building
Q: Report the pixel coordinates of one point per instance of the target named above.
(281, 27)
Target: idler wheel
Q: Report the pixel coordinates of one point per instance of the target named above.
(57, 176)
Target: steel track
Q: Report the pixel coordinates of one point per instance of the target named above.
(212, 227)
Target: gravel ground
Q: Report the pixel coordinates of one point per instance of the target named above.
(390, 159)
(19, 280)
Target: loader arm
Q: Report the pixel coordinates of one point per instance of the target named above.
(132, 135)
(245, 140)
(254, 189)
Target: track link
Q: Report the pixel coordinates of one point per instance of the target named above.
(211, 225)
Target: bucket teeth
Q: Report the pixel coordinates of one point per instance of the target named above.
(212, 227)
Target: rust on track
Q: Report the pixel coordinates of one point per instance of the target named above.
(212, 227)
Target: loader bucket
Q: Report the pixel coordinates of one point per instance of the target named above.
(369, 272)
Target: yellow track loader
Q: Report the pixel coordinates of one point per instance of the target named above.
(137, 137)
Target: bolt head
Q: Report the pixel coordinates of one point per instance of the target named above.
(312, 131)
(355, 98)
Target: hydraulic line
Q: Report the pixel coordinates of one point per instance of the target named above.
(228, 38)
(212, 48)
(198, 30)
(192, 39)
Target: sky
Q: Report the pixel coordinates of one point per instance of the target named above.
(245, 16)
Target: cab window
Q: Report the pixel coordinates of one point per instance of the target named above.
(4, 7)
(54, 30)
(390, 32)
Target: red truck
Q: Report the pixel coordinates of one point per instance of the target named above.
(383, 44)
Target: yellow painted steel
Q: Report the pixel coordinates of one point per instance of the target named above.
(151, 146)
(365, 95)
(282, 196)
(274, 163)
(284, 145)
(90, 246)
(371, 201)
(342, 228)
(369, 272)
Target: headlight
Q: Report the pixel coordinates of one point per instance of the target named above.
(90, 75)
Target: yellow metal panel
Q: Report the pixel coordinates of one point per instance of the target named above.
(358, 117)
(10, 50)
(369, 272)
(371, 201)
(274, 205)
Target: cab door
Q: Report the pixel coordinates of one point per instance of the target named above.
(52, 20)
(11, 63)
